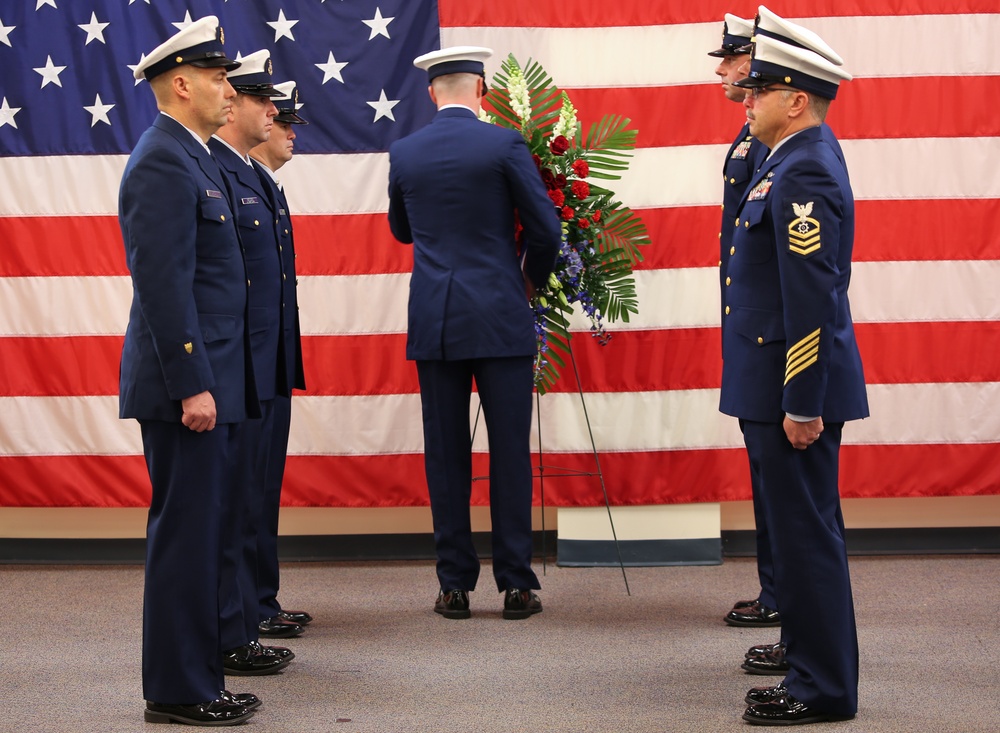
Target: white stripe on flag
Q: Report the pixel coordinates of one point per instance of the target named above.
(902, 414)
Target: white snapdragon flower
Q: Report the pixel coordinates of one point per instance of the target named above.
(486, 117)
(517, 88)
(566, 124)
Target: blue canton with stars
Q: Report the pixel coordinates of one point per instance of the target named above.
(67, 86)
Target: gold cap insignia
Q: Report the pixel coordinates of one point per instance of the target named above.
(222, 36)
(269, 71)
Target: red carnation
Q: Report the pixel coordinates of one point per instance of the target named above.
(581, 168)
(557, 196)
(583, 223)
(559, 145)
(596, 217)
(548, 178)
(581, 189)
(568, 213)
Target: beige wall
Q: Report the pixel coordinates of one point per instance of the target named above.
(972, 511)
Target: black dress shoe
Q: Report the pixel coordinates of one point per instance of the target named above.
(216, 712)
(246, 660)
(756, 651)
(453, 604)
(766, 694)
(786, 710)
(272, 651)
(744, 604)
(767, 663)
(278, 628)
(295, 617)
(519, 603)
(246, 699)
(756, 614)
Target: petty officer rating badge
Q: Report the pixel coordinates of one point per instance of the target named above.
(803, 231)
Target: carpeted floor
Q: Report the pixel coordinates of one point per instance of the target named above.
(378, 659)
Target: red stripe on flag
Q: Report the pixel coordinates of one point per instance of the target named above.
(592, 14)
(887, 230)
(77, 480)
(633, 478)
(634, 361)
(699, 114)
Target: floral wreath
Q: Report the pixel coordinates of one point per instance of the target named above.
(600, 236)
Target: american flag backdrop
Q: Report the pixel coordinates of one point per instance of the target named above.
(919, 127)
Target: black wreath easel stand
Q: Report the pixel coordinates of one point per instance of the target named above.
(559, 471)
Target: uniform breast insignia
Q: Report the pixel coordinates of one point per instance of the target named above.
(803, 231)
(802, 355)
(213, 194)
(741, 151)
(250, 200)
(282, 212)
(189, 347)
(759, 192)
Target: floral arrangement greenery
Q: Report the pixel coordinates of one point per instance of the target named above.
(600, 237)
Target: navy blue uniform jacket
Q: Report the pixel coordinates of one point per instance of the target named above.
(788, 341)
(271, 287)
(187, 325)
(467, 296)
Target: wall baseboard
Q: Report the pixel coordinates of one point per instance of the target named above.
(572, 553)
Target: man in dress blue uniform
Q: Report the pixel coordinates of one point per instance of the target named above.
(792, 373)
(454, 187)
(744, 157)
(268, 157)
(769, 659)
(249, 124)
(186, 375)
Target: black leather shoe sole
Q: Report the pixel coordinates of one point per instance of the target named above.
(454, 613)
(280, 631)
(752, 623)
(255, 671)
(811, 717)
(751, 669)
(153, 716)
(512, 614)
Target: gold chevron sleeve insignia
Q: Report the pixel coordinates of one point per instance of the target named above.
(803, 231)
(802, 355)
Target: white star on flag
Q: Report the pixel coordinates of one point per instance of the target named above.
(45, 2)
(383, 107)
(331, 69)
(5, 32)
(132, 1)
(378, 24)
(282, 26)
(95, 29)
(99, 110)
(133, 67)
(7, 114)
(50, 73)
(181, 25)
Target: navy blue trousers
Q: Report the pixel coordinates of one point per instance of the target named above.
(267, 528)
(196, 479)
(801, 503)
(505, 389)
(765, 565)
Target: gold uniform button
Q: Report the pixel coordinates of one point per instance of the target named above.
(732, 250)
(727, 310)
(746, 224)
(248, 283)
(760, 339)
(286, 231)
(720, 263)
(720, 235)
(737, 221)
(256, 223)
(222, 217)
(284, 276)
(732, 180)
(729, 281)
(723, 207)
(280, 249)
